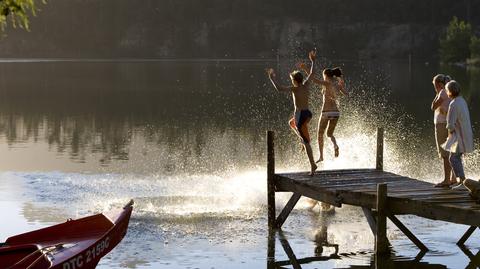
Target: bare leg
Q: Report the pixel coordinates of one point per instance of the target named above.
(322, 125)
(331, 128)
(291, 123)
(313, 166)
(335, 146)
(448, 173)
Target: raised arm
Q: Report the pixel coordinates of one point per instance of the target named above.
(341, 86)
(436, 102)
(313, 78)
(312, 55)
(278, 87)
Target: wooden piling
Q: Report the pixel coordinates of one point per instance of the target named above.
(379, 165)
(270, 179)
(381, 241)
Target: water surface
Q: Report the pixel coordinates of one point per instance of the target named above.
(186, 140)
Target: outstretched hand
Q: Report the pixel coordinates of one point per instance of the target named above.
(270, 72)
(301, 66)
(312, 55)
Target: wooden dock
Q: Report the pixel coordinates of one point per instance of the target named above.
(380, 194)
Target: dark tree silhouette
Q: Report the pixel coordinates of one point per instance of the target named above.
(18, 11)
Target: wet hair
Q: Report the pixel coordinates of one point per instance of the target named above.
(453, 87)
(441, 78)
(335, 72)
(297, 76)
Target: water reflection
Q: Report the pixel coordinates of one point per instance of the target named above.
(171, 116)
(385, 262)
(474, 259)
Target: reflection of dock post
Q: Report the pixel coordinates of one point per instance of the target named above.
(381, 241)
(270, 179)
(379, 165)
(271, 249)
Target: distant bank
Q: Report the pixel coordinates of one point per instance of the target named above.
(236, 29)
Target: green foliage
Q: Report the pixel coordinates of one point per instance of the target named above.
(455, 45)
(475, 47)
(18, 10)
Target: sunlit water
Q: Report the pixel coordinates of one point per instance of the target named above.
(187, 142)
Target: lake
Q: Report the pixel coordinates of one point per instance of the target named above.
(186, 140)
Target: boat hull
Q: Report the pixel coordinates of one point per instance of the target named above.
(75, 244)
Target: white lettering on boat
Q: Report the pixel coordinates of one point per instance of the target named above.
(92, 253)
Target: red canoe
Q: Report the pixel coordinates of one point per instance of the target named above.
(74, 244)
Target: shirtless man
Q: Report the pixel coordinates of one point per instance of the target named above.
(332, 84)
(302, 115)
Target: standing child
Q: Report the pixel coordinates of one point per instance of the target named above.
(440, 107)
(460, 134)
(302, 115)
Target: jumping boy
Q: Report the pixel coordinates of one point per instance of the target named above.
(302, 115)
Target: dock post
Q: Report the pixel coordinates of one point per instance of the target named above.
(270, 179)
(271, 249)
(379, 165)
(381, 241)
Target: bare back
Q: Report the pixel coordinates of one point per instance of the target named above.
(330, 96)
(300, 97)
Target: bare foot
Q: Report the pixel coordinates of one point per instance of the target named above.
(443, 184)
(452, 183)
(336, 151)
(319, 160)
(312, 171)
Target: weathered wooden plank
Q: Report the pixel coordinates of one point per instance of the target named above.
(368, 184)
(417, 196)
(403, 190)
(287, 209)
(335, 176)
(329, 172)
(307, 191)
(435, 211)
(447, 202)
(356, 181)
(443, 198)
(465, 205)
(428, 196)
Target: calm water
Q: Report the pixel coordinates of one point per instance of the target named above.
(186, 141)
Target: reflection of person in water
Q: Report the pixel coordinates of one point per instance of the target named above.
(321, 236)
(321, 241)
